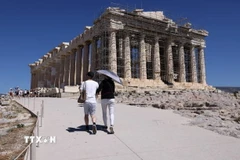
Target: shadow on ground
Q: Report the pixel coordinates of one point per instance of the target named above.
(82, 128)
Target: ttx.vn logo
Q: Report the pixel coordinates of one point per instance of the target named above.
(40, 139)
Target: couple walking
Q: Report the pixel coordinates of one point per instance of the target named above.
(92, 88)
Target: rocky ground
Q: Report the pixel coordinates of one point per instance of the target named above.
(215, 110)
(15, 123)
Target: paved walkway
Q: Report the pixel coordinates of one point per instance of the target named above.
(141, 134)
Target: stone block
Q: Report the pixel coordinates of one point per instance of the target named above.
(71, 89)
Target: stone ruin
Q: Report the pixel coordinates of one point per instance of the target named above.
(145, 48)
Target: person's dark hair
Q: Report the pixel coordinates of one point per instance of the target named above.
(90, 74)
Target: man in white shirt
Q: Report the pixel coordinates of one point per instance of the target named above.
(90, 86)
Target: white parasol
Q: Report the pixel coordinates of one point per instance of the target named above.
(111, 74)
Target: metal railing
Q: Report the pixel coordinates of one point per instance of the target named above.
(31, 148)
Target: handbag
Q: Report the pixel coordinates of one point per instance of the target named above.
(82, 97)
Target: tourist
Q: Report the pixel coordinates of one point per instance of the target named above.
(90, 86)
(17, 92)
(107, 89)
(11, 93)
(21, 93)
(25, 93)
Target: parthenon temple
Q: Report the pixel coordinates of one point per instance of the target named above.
(145, 48)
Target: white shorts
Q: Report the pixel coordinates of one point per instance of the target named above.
(89, 108)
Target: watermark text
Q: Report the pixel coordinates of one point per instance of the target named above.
(40, 139)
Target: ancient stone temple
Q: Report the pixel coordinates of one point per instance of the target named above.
(143, 48)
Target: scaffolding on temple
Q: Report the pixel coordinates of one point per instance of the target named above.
(131, 21)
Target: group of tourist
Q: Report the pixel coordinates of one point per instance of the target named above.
(18, 92)
(92, 90)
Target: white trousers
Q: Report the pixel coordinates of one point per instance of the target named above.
(108, 103)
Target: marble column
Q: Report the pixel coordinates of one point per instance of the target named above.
(112, 59)
(193, 65)
(127, 57)
(57, 81)
(62, 73)
(49, 77)
(32, 80)
(53, 74)
(120, 47)
(79, 65)
(75, 68)
(202, 68)
(72, 68)
(93, 54)
(45, 75)
(69, 68)
(35, 79)
(98, 52)
(142, 50)
(40, 77)
(85, 61)
(181, 58)
(156, 60)
(66, 71)
(169, 62)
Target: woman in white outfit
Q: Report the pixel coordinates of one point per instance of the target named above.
(107, 89)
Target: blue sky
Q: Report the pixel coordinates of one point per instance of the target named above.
(29, 29)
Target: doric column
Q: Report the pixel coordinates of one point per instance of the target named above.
(156, 60)
(193, 65)
(85, 61)
(98, 52)
(36, 79)
(127, 57)
(79, 65)
(75, 68)
(45, 75)
(143, 74)
(62, 73)
(53, 74)
(32, 80)
(39, 76)
(112, 59)
(57, 81)
(202, 68)
(93, 54)
(66, 71)
(104, 51)
(120, 47)
(49, 77)
(181, 58)
(42, 77)
(169, 62)
(72, 69)
(69, 68)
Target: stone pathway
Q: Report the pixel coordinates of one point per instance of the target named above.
(141, 134)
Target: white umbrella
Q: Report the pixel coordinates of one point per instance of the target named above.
(111, 74)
